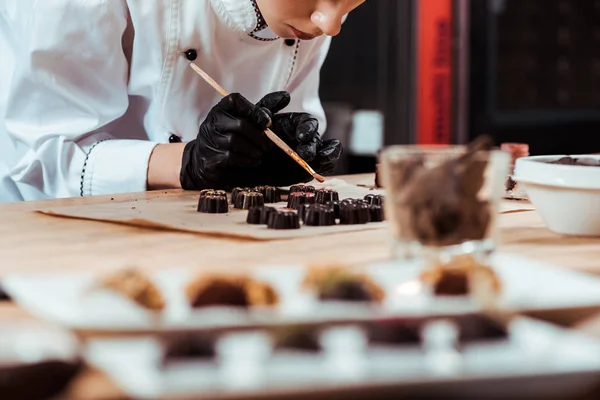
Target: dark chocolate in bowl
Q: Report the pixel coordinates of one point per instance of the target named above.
(577, 161)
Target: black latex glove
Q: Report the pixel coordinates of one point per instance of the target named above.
(230, 138)
(301, 132)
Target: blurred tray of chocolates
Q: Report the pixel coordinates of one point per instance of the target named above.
(129, 301)
(400, 357)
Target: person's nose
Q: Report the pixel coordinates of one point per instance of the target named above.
(328, 18)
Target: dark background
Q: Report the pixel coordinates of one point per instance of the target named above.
(533, 73)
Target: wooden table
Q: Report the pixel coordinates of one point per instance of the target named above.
(30, 241)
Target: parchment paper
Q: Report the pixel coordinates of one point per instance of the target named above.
(178, 213)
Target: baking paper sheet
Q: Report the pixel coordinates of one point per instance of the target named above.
(179, 213)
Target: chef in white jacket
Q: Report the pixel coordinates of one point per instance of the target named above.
(97, 97)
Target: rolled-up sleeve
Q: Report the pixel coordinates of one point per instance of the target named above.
(69, 87)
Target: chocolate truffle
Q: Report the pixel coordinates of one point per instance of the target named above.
(247, 200)
(212, 192)
(253, 217)
(397, 332)
(298, 339)
(259, 215)
(302, 188)
(318, 215)
(452, 283)
(231, 291)
(323, 196)
(188, 347)
(298, 198)
(283, 220)
(374, 199)
(339, 284)
(457, 277)
(336, 208)
(475, 328)
(209, 204)
(376, 212)
(270, 193)
(236, 191)
(136, 286)
(354, 214)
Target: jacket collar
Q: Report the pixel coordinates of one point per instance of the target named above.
(243, 16)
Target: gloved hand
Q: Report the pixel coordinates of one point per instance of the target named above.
(231, 137)
(301, 132)
(232, 150)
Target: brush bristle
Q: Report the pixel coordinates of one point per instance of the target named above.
(319, 178)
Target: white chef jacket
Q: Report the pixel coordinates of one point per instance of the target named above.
(88, 88)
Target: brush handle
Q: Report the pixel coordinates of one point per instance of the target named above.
(270, 134)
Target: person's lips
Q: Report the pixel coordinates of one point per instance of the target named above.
(302, 35)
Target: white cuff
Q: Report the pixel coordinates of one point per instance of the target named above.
(116, 166)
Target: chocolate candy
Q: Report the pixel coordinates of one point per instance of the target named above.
(475, 328)
(352, 290)
(318, 215)
(300, 339)
(376, 212)
(212, 192)
(296, 199)
(188, 347)
(357, 213)
(271, 193)
(247, 200)
(220, 292)
(259, 215)
(236, 191)
(452, 283)
(323, 196)
(302, 188)
(374, 199)
(395, 333)
(210, 204)
(336, 208)
(283, 220)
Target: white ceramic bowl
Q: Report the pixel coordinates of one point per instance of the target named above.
(566, 196)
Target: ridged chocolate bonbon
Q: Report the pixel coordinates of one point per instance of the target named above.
(296, 199)
(323, 196)
(374, 199)
(354, 214)
(213, 205)
(376, 213)
(284, 220)
(236, 191)
(272, 194)
(336, 208)
(302, 188)
(259, 215)
(247, 200)
(212, 192)
(318, 215)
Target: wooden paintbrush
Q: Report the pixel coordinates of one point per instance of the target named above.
(270, 134)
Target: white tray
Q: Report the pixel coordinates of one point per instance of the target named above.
(66, 298)
(538, 361)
